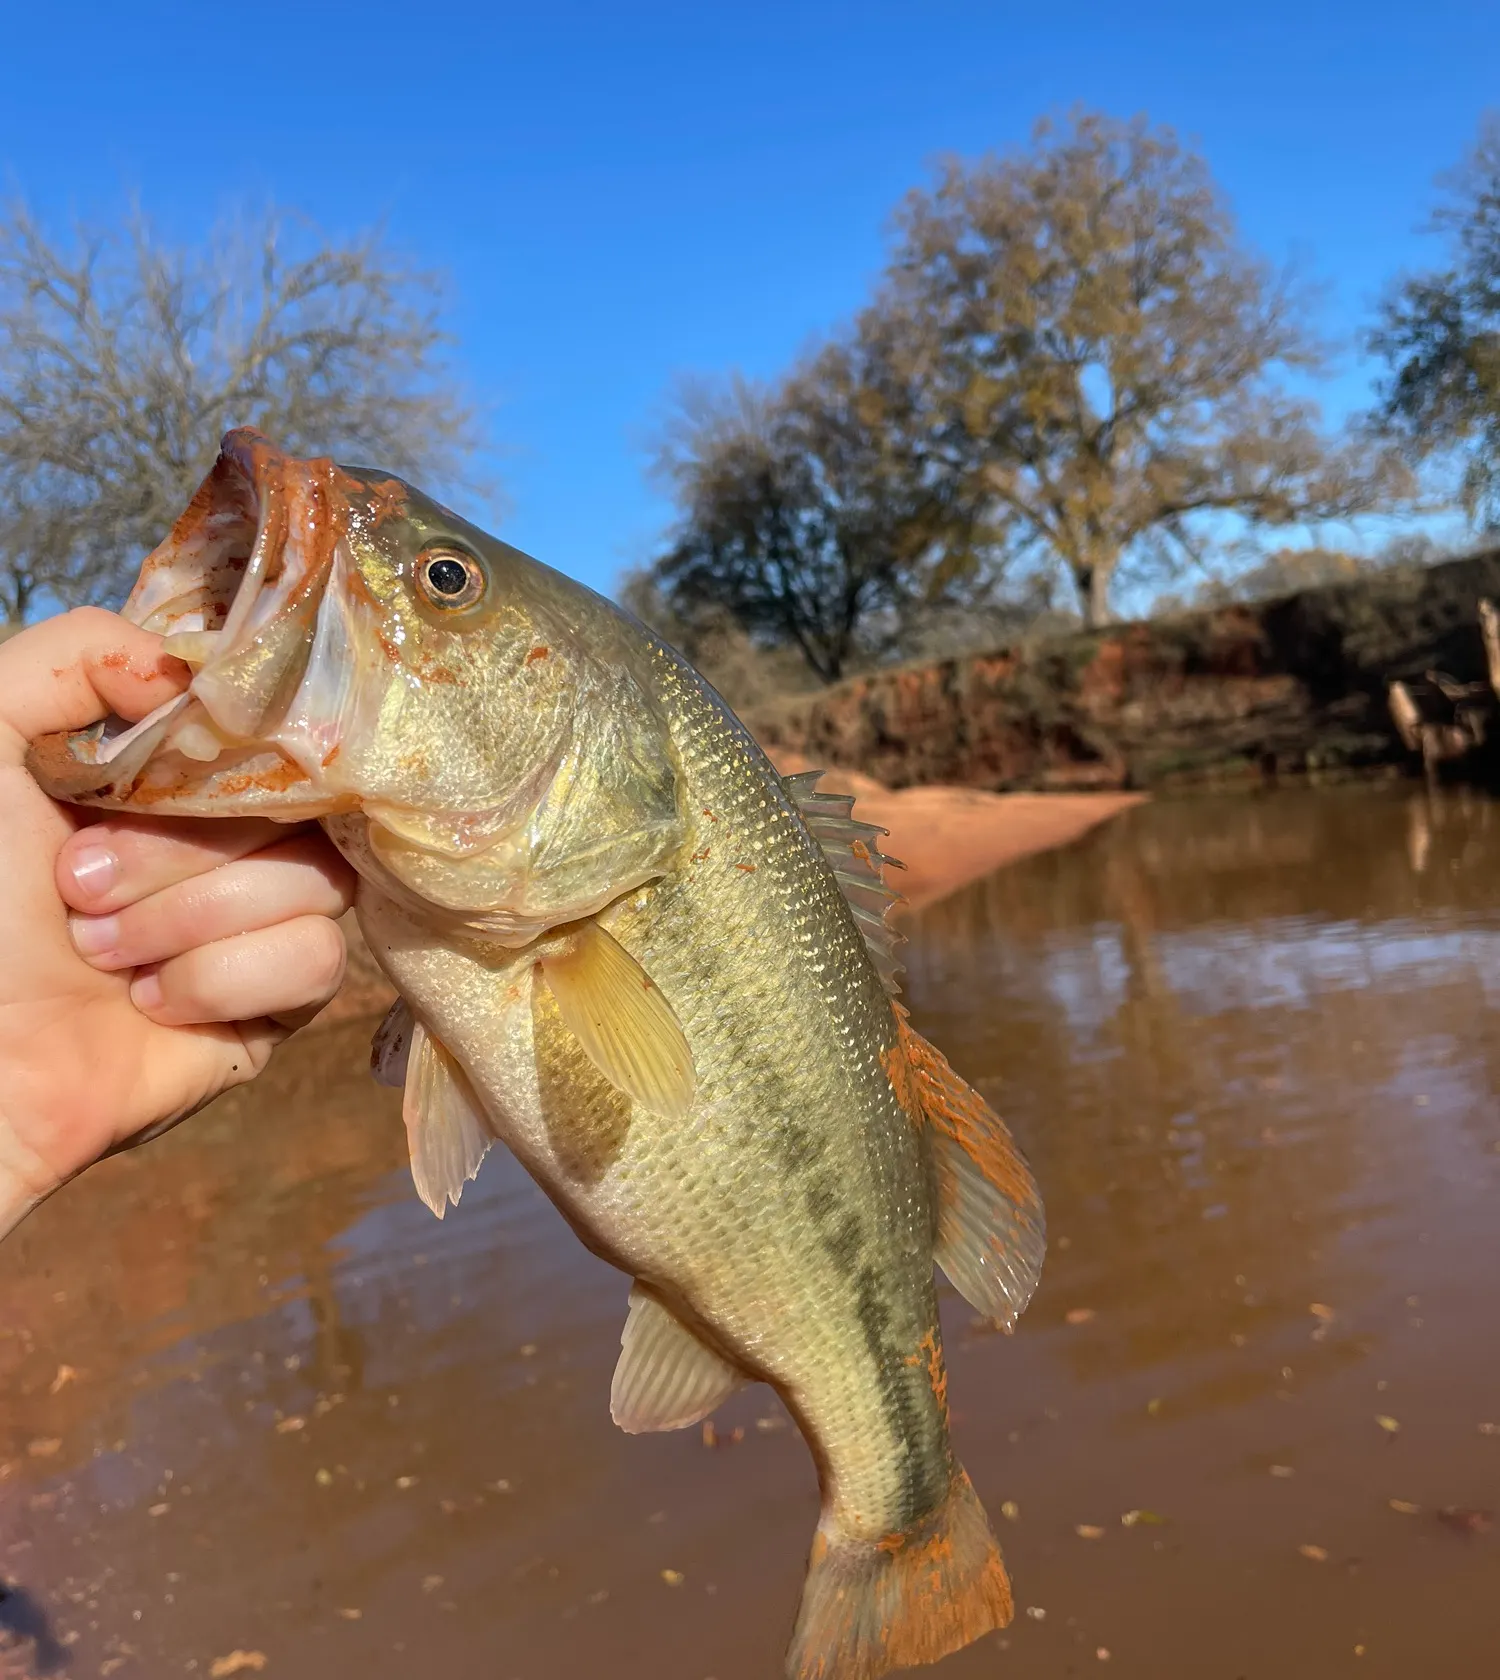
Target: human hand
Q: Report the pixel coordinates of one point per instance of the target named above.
(193, 947)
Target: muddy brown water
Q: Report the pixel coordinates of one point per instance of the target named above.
(260, 1413)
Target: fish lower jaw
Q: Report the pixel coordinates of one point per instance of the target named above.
(194, 648)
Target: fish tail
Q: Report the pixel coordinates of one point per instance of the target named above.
(911, 1598)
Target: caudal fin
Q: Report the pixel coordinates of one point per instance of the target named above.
(869, 1607)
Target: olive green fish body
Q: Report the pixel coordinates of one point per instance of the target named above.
(790, 1214)
(628, 948)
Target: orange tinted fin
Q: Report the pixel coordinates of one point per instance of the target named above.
(624, 1025)
(446, 1128)
(871, 1606)
(991, 1234)
(666, 1377)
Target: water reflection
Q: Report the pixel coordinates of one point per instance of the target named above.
(1229, 1035)
(26, 1623)
(252, 1397)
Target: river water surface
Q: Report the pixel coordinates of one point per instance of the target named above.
(259, 1412)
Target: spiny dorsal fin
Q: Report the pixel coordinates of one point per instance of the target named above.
(858, 866)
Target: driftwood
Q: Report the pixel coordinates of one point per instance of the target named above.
(1445, 720)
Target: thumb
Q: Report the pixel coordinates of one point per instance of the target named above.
(70, 671)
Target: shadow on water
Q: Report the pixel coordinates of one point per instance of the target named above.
(253, 1398)
(25, 1622)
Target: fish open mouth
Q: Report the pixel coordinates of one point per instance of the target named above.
(236, 591)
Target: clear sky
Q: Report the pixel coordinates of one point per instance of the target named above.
(625, 193)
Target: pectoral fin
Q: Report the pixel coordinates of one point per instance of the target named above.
(446, 1128)
(666, 1377)
(624, 1025)
(991, 1233)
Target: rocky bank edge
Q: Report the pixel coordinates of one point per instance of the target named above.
(1296, 684)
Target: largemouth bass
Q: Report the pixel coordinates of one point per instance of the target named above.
(624, 945)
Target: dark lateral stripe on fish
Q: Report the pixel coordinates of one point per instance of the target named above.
(906, 1401)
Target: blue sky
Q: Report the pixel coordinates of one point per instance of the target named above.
(622, 194)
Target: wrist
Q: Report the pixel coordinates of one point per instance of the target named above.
(24, 1180)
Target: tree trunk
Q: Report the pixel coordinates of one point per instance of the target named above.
(1489, 631)
(1092, 580)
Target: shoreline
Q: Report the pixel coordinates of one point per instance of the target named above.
(946, 836)
(951, 836)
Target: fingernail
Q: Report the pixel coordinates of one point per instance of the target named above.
(145, 992)
(94, 870)
(94, 936)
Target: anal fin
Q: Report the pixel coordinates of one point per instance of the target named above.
(446, 1128)
(666, 1378)
(991, 1230)
(622, 1022)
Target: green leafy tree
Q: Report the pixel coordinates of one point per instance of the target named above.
(1440, 336)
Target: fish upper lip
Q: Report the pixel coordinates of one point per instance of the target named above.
(258, 535)
(248, 557)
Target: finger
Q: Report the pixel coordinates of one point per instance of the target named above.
(73, 670)
(303, 876)
(122, 860)
(274, 972)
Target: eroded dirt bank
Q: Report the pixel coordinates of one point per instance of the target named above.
(1289, 685)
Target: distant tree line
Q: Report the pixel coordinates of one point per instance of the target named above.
(1284, 571)
(1071, 370)
(1071, 376)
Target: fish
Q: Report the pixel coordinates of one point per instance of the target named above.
(662, 974)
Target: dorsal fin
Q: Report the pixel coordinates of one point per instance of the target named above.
(858, 865)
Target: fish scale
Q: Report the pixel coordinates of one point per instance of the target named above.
(791, 1090)
(626, 947)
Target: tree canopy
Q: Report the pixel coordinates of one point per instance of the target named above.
(1071, 364)
(1099, 363)
(1440, 336)
(122, 360)
(804, 518)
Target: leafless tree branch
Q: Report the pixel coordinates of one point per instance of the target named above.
(123, 360)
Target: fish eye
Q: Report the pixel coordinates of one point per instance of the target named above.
(449, 579)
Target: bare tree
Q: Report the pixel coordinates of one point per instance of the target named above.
(1095, 362)
(749, 673)
(810, 520)
(1440, 335)
(122, 360)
